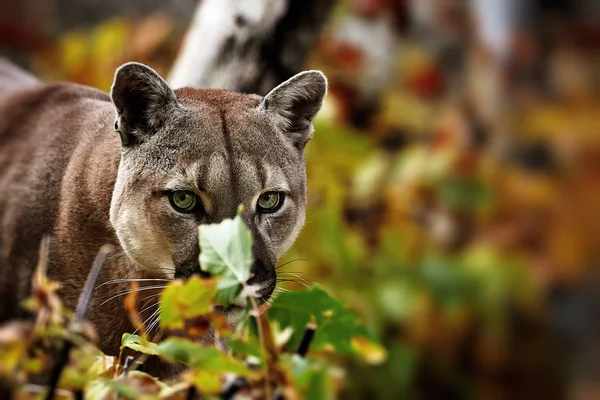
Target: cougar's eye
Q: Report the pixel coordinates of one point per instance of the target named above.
(183, 201)
(269, 202)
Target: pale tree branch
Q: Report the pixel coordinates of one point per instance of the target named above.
(248, 45)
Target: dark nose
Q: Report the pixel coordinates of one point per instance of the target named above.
(265, 275)
(188, 270)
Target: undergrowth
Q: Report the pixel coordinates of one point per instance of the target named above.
(283, 349)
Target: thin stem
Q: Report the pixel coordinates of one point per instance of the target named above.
(307, 338)
(62, 361)
(264, 336)
(191, 393)
(127, 365)
(88, 288)
(84, 299)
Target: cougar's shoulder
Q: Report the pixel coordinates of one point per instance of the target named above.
(45, 130)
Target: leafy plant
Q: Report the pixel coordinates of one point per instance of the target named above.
(279, 349)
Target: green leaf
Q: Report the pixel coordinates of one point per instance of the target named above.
(228, 289)
(245, 347)
(199, 357)
(312, 378)
(120, 388)
(138, 343)
(102, 365)
(226, 251)
(184, 300)
(337, 326)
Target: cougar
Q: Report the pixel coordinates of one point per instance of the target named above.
(140, 169)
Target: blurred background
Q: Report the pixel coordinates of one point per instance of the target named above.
(454, 176)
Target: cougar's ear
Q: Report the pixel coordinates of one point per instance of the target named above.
(143, 99)
(293, 105)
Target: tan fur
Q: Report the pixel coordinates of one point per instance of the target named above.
(65, 172)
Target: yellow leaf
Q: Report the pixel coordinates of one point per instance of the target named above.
(204, 381)
(372, 353)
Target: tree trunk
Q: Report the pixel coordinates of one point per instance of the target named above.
(248, 45)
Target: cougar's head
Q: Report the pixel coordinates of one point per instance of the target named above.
(190, 157)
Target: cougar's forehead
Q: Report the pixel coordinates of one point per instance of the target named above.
(225, 147)
(230, 123)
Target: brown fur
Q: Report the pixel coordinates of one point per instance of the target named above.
(65, 172)
(45, 149)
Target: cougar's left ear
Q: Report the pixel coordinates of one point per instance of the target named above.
(293, 105)
(143, 100)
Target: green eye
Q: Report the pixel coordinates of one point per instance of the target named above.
(183, 201)
(269, 202)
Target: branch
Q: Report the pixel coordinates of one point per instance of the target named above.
(268, 345)
(248, 45)
(84, 299)
(307, 338)
(88, 288)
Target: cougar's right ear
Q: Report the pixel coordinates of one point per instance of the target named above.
(293, 104)
(144, 101)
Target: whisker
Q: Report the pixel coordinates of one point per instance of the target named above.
(132, 280)
(131, 290)
(294, 281)
(127, 252)
(131, 274)
(291, 261)
(157, 269)
(297, 277)
(147, 298)
(287, 280)
(149, 307)
(296, 272)
(147, 319)
(155, 322)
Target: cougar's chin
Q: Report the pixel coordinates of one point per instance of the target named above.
(232, 313)
(259, 292)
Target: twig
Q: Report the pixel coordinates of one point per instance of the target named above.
(127, 365)
(63, 360)
(192, 394)
(278, 395)
(88, 288)
(65, 351)
(233, 387)
(42, 265)
(268, 345)
(307, 338)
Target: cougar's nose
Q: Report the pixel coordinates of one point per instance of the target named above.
(264, 278)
